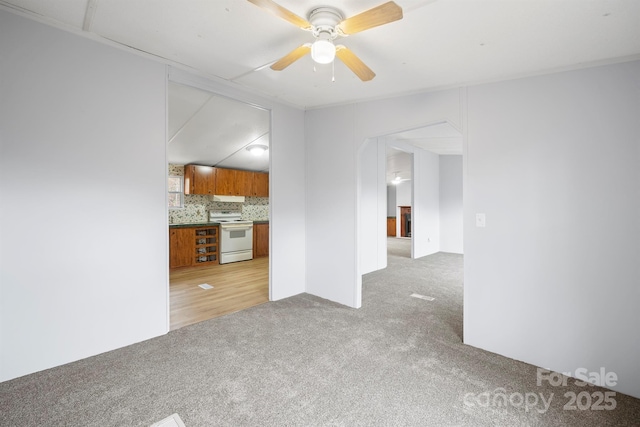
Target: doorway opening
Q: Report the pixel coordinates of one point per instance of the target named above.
(429, 218)
(209, 154)
(399, 173)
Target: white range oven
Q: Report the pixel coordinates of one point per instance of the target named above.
(236, 236)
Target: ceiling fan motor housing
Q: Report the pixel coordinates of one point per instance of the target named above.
(324, 20)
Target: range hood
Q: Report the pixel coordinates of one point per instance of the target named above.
(232, 199)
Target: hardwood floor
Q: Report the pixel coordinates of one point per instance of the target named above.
(236, 286)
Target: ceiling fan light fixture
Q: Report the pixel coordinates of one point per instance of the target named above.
(257, 149)
(323, 51)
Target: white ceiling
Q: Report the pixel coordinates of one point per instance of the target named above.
(207, 129)
(438, 44)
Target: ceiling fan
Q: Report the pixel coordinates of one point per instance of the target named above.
(397, 180)
(326, 24)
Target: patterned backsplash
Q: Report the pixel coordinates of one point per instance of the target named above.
(197, 207)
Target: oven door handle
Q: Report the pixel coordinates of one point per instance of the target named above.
(237, 227)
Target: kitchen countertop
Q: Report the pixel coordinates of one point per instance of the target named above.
(206, 224)
(193, 224)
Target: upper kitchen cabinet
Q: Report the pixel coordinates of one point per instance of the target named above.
(260, 184)
(208, 180)
(244, 182)
(199, 180)
(233, 182)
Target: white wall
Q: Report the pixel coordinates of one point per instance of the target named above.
(83, 126)
(391, 201)
(553, 278)
(425, 207)
(372, 225)
(403, 194)
(332, 190)
(553, 162)
(451, 204)
(83, 131)
(331, 205)
(287, 203)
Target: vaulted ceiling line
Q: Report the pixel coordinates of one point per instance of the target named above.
(190, 119)
(242, 148)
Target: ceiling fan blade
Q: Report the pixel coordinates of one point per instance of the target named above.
(291, 57)
(281, 12)
(379, 15)
(354, 63)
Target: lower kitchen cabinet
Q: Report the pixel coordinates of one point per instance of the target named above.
(192, 246)
(260, 240)
(180, 247)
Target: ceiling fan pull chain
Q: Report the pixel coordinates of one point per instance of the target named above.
(333, 71)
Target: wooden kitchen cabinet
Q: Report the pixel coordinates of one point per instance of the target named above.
(206, 246)
(260, 184)
(192, 246)
(260, 240)
(226, 182)
(180, 247)
(233, 182)
(244, 182)
(208, 180)
(199, 179)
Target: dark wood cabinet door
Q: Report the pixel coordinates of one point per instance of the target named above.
(244, 183)
(260, 240)
(260, 184)
(180, 247)
(226, 182)
(199, 179)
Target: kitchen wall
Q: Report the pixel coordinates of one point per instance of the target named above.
(197, 207)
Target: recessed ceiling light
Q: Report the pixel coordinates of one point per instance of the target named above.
(257, 149)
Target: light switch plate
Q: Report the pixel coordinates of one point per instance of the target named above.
(481, 220)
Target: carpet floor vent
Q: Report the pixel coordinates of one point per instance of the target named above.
(172, 421)
(424, 297)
